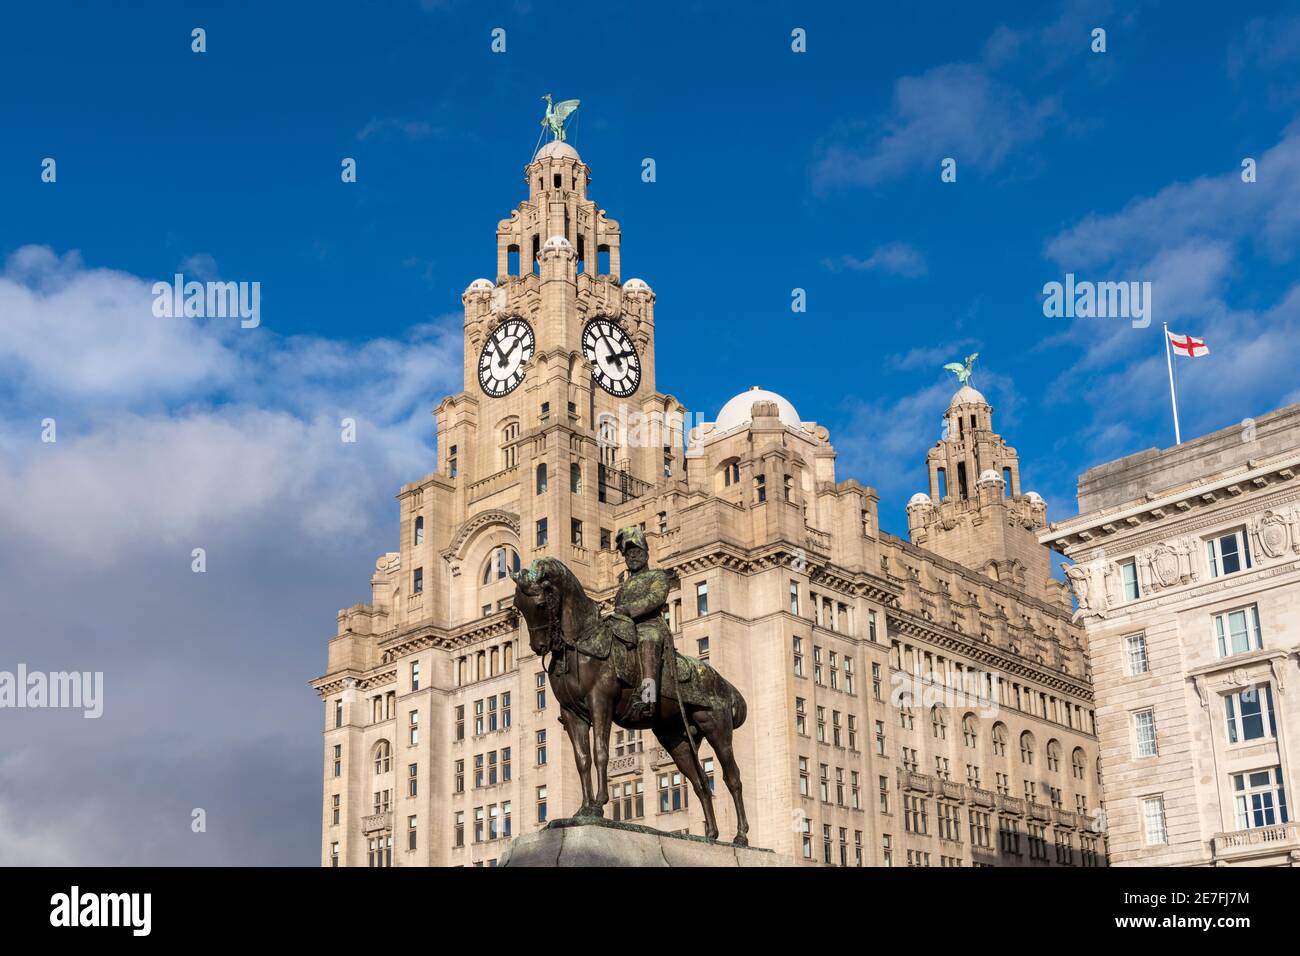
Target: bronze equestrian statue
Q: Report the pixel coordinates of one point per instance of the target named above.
(610, 669)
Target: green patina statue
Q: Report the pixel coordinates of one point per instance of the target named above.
(607, 669)
(556, 114)
(642, 598)
(962, 370)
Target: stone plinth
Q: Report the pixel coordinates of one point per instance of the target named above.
(591, 841)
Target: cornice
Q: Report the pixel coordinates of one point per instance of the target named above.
(904, 622)
(1257, 484)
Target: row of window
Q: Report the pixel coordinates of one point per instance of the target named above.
(1235, 632)
(1227, 553)
(1248, 715)
(833, 660)
(1259, 800)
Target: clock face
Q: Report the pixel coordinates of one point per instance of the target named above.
(501, 363)
(615, 365)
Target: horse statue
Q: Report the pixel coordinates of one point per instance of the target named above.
(595, 674)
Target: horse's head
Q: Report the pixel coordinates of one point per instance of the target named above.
(539, 597)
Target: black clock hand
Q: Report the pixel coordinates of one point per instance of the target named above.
(504, 356)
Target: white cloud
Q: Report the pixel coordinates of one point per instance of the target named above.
(175, 434)
(895, 258)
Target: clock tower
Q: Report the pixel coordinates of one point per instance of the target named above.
(559, 423)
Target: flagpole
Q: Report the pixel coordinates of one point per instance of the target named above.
(1173, 396)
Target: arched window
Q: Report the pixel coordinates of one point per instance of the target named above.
(509, 453)
(607, 439)
(1000, 740)
(575, 478)
(541, 478)
(1027, 748)
(500, 563)
(1078, 763)
(938, 723)
(970, 730)
(1054, 756)
(730, 472)
(419, 531)
(383, 757)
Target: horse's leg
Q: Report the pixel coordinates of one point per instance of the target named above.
(601, 705)
(673, 737)
(578, 730)
(716, 726)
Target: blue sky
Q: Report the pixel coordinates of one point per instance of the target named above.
(775, 170)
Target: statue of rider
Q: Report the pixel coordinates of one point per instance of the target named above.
(642, 598)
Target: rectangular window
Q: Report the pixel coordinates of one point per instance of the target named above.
(459, 829)
(1228, 553)
(1144, 733)
(415, 675)
(604, 539)
(1238, 631)
(794, 597)
(541, 690)
(800, 716)
(338, 712)
(451, 462)
(541, 748)
(458, 784)
(541, 804)
(417, 581)
(460, 721)
(414, 728)
(338, 759)
(1153, 820)
(334, 804)
(702, 598)
(412, 779)
(703, 645)
(883, 794)
(575, 532)
(871, 627)
(410, 833)
(1135, 654)
(798, 657)
(541, 532)
(1249, 714)
(1128, 572)
(1260, 798)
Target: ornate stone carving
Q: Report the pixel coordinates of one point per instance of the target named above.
(1272, 533)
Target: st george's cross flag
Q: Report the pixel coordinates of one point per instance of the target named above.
(1188, 345)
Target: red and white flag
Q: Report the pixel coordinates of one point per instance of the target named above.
(1188, 345)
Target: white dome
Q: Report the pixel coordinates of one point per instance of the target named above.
(737, 410)
(988, 474)
(557, 150)
(920, 498)
(635, 285)
(557, 242)
(966, 395)
(1033, 497)
(480, 285)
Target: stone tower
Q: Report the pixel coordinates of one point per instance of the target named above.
(975, 513)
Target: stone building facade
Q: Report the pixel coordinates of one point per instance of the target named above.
(922, 701)
(1187, 574)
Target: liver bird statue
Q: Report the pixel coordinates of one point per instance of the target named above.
(556, 114)
(962, 370)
